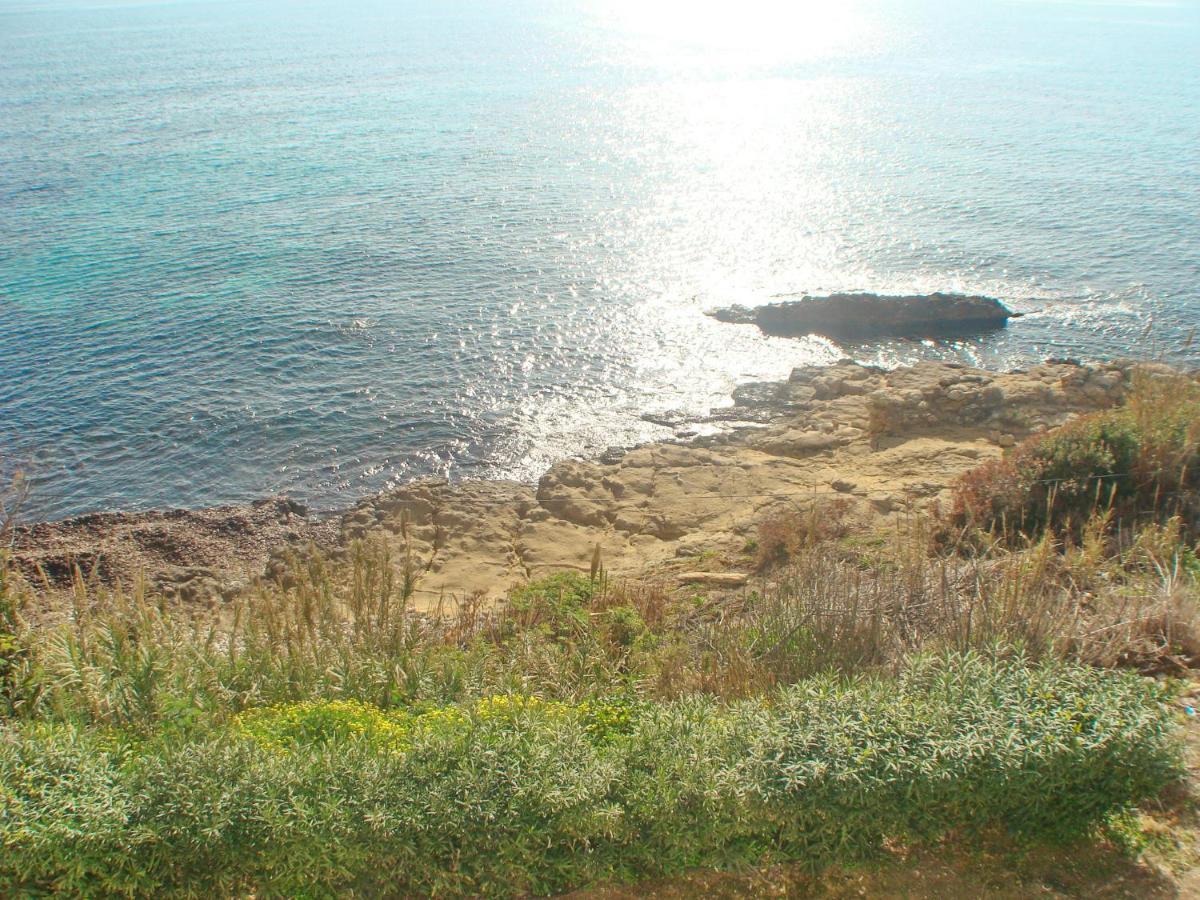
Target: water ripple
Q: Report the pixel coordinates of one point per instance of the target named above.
(248, 248)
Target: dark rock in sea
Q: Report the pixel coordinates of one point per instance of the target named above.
(859, 316)
(670, 419)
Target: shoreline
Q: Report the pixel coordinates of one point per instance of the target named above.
(877, 444)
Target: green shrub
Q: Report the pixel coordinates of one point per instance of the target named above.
(1045, 751)
(624, 626)
(557, 604)
(611, 718)
(314, 722)
(513, 795)
(1132, 463)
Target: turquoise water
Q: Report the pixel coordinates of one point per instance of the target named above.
(323, 247)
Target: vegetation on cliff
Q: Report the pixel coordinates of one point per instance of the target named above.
(1138, 462)
(978, 672)
(510, 794)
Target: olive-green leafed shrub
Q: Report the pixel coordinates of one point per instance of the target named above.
(508, 795)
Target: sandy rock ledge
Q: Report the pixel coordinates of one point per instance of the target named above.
(884, 443)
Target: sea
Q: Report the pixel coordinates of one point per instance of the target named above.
(324, 247)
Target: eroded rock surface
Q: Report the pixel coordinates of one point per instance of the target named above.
(205, 555)
(880, 443)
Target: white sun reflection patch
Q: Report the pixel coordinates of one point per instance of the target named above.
(756, 29)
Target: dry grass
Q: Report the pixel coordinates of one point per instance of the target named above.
(829, 608)
(347, 630)
(788, 531)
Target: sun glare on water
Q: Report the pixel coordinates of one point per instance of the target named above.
(760, 30)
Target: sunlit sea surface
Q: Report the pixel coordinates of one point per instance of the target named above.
(326, 247)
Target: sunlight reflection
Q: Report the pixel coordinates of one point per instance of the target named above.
(757, 29)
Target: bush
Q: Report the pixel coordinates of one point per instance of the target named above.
(624, 626)
(974, 742)
(319, 722)
(512, 795)
(557, 604)
(787, 532)
(1138, 462)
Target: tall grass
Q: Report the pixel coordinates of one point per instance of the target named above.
(346, 632)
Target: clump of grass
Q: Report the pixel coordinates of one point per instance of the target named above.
(557, 604)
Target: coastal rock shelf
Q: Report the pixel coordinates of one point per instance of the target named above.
(881, 443)
(195, 555)
(860, 316)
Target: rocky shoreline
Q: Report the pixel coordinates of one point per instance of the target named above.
(881, 444)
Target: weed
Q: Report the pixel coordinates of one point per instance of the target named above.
(788, 531)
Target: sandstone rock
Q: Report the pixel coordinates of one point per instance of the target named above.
(799, 443)
(884, 503)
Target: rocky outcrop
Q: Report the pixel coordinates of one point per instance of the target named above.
(198, 556)
(861, 316)
(878, 444)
